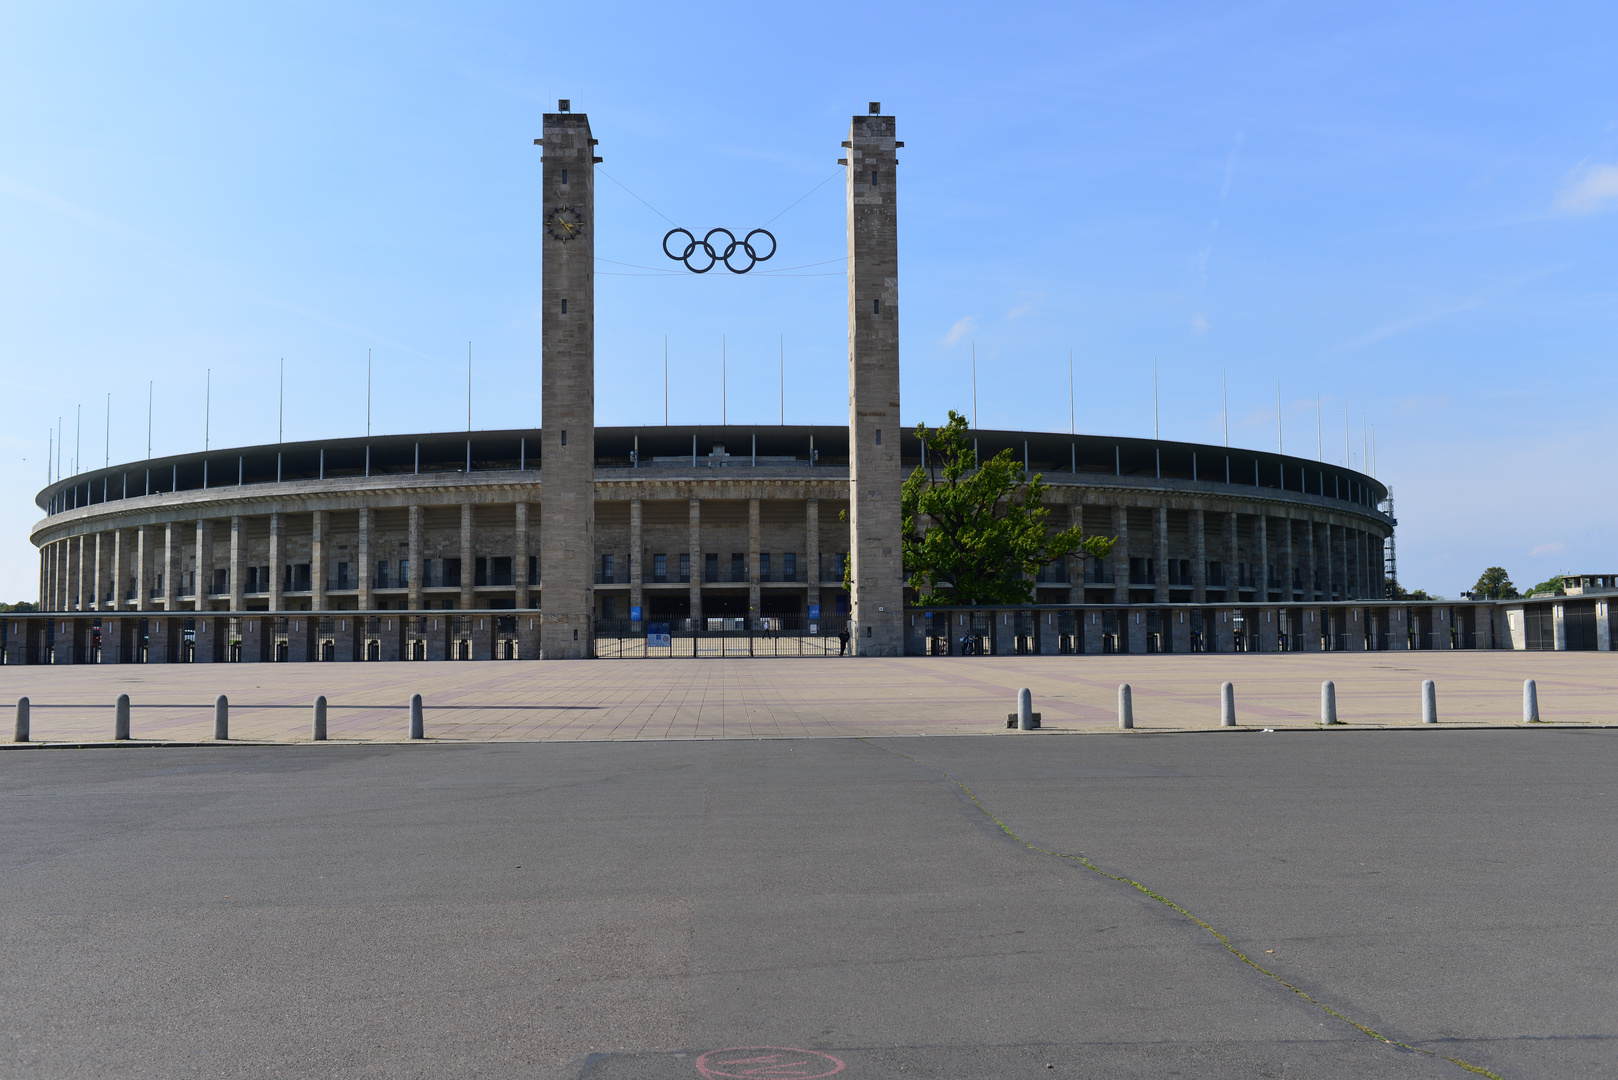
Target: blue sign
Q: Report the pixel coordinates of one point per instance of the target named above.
(814, 611)
(657, 635)
(634, 613)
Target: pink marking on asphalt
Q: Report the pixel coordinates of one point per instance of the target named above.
(768, 1061)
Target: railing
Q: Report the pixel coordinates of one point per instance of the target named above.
(768, 635)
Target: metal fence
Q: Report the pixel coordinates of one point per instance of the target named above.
(776, 635)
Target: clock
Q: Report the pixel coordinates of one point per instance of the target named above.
(564, 223)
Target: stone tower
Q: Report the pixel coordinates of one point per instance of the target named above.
(568, 442)
(874, 437)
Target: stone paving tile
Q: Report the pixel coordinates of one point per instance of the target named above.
(807, 697)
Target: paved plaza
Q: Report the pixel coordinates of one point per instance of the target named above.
(1394, 905)
(759, 698)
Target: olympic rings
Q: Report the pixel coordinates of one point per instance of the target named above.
(730, 247)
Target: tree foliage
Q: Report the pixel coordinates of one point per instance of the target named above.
(1494, 584)
(1552, 587)
(977, 532)
(1399, 592)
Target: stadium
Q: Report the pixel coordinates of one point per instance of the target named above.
(572, 541)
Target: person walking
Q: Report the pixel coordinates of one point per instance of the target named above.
(842, 641)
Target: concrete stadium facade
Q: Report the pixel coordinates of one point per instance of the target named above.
(569, 540)
(735, 524)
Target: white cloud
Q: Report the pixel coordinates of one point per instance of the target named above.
(1230, 165)
(1199, 323)
(1025, 307)
(1547, 549)
(1589, 188)
(962, 327)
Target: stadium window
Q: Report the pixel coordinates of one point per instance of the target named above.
(876, 307)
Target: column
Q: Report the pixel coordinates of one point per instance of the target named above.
(367, 568)
(752, 559)
(78, 576)
(1284, 556)
(1261, 541)
(1339, 558)
(875, 433)
(1346, 553)
(567, 324)
(1199, 558)
(1231, 578)
(637, 558)
(171, 569)
(1326, 552)
(1120, 555)
(317, 561)
(277, 564)
(44, 578)
(1362, 561)
(118, 570)
(1311, 564)
(1379, 567)
(811, 553)
(1160, 554)
(199, 600)
(143, 557)
(468, 566)
(519, 557)
(238, 538)
(98, 574)
(413, 547)
(695, 509)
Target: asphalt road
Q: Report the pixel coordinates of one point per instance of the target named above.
(792, 908)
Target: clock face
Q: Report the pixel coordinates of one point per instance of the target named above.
(564, 223)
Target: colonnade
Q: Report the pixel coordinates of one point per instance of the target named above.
(1289, 556)
(178, 566)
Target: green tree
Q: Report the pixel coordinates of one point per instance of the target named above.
(19, 606)
(1399, 592)
(977, 532)
(1552, 587)
(1494, 584)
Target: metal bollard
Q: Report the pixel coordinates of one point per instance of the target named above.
(221, 717)
(120, 718)
(21, 734)
(1227, 704)
(1025, 710)
(1328, 702)
(1530, 702)
(1126, 708)
(417, 727)
(320, 718)
(1429, 702)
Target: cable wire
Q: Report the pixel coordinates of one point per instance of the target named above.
(805, 195)
(643, 202)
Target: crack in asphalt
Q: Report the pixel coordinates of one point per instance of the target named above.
(1084, 861)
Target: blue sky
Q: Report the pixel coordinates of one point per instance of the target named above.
(1409, 210)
